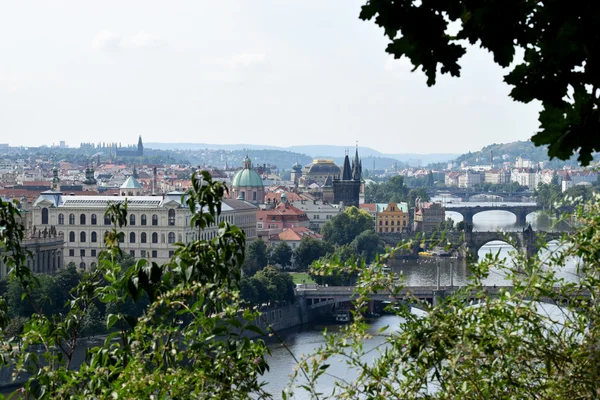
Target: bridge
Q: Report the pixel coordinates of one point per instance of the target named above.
(525, 241)
(520, 211)
(465, 193)
(313, 296)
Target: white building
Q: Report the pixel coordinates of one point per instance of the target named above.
(469, 179)
(154, 224)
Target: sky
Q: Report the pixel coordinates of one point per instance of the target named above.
(277, 72)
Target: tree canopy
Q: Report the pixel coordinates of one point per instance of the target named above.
(347, 225)
(560, 67)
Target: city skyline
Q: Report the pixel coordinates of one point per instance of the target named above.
(278, 73)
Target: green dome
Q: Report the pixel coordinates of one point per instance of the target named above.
(246, 178)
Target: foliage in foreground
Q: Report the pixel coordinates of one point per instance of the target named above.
(537, 341)
(559, 67)
(187, 343)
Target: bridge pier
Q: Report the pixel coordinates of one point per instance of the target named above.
(521, 218)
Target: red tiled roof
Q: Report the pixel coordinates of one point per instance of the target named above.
(295, 234)
(369, 206)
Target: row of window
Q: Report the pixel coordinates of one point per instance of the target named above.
(390, 230)
(392, 223)
(132, 237)
(143, 253)
(94, 219)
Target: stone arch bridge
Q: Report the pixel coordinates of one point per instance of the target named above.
(526, 241)
(520, 211)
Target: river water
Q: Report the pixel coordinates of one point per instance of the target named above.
(307, 339)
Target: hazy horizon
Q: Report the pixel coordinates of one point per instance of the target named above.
(279, 73)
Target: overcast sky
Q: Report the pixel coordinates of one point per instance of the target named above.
(279, 72)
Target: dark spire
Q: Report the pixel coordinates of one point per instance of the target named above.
(356, 166)
(347, 171)
(140, 145)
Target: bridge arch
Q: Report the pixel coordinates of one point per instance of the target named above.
(520, 211)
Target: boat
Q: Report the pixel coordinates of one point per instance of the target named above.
(342, 315)
(426, 254)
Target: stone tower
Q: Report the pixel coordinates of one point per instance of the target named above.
(347, 189)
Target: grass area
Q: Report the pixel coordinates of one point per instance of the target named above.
(301, 277)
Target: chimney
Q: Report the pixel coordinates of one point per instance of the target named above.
(154, 174)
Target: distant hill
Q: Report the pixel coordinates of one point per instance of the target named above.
(510, 151)
(319, 151)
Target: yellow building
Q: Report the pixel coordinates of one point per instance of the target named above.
(392, 217)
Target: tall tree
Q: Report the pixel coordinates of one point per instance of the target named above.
(344, 227)
(308, 251)
(560, 67)
(282, 254)
(256, 257)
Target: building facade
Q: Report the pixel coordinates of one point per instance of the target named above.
(154, 225)
(392, 217)
(428, 216)
(318, 212)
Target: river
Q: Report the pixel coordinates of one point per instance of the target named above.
(307, 339)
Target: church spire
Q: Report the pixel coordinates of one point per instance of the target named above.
(347, 171)
(356, 166)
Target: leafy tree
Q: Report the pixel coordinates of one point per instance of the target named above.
(256, 257)
(279, 286)
(310, 250)
(188, 343)
(393, 190)
(414, 194)
(367, 245)
(559, 68)
(282, 254)
(347, 225)
(546, 195)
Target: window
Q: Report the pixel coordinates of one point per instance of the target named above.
(392, 222)
(171, 237)
(143, 238)
(154, 220)
(82, 237)
(94, 238)
(82, 219)
(71, 252)
(82, 252)
(154, 253)
(94, 219)
(82, 265)
(132, 220)
(171, 217)
(143, 253)
(93, 251)
(132, 253)
(143, 219)
(253, 196)
(132, 237)
(71, 219)
(61, 219)
(106, 220)
(380, 222)
(44, 215)
(72, 237)
(154, 237)
(171, 253)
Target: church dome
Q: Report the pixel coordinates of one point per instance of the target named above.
(297, 166)
(322, 167)
(247, 177)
